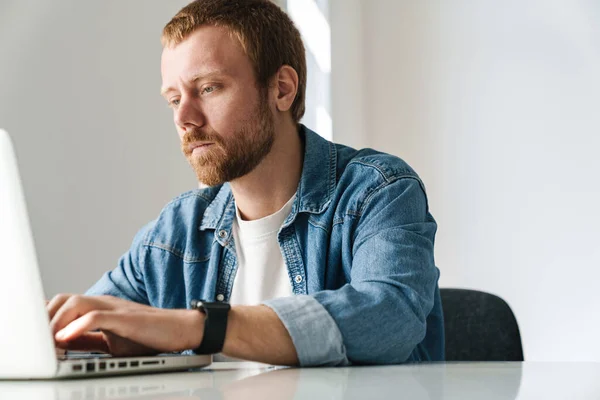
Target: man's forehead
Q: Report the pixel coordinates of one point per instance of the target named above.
(206, 48)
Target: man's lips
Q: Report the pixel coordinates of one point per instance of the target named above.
(198, 145)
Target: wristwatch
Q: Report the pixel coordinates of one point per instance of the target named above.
(215, 325)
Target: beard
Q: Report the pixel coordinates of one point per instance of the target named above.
(228, 159)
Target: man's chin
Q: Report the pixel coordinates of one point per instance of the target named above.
(209, 179)
(199, 160)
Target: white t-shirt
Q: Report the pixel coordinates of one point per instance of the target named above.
(261, 273)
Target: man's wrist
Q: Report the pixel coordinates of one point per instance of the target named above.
(194, 328)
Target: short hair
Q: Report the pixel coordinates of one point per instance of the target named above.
(266, 33)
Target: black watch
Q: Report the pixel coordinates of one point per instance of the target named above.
(215, 325)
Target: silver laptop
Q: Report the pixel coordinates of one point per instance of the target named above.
(26, 343)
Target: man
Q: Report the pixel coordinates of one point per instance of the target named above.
(324, 252)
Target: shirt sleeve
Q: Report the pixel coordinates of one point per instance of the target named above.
(315, 335)
(379, 317)
(126, 280)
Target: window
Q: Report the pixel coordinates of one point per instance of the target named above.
(312, 19)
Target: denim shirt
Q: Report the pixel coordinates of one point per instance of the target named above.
(358, 246)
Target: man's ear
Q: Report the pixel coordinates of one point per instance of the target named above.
(285, 87)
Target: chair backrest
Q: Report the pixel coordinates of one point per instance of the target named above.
(479, 327)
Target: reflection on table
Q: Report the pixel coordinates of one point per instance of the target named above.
(506, 381)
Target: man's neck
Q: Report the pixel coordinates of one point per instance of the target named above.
(266, 189)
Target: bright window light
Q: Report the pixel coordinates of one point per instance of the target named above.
(314, 27)
(324, 125)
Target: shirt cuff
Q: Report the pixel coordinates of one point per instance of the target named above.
(315, 334)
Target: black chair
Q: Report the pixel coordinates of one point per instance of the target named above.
(479, 327)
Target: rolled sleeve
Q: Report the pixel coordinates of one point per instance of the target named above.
(316, 337)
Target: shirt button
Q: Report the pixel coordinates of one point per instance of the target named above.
(298, 278)
(220, 297)
(223, 234)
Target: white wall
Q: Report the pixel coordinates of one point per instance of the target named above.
(99, 154)
(497, 106)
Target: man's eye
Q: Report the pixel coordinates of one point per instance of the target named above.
(208, 89)
(174, 103)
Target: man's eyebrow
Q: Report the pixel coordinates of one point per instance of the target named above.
(196, 77)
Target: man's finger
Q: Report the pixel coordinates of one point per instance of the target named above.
(56, 303)
(90, 341)
(75, 307)
(90, 321)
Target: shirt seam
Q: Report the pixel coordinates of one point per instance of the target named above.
(177, 253)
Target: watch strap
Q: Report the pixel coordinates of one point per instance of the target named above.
(215, 325)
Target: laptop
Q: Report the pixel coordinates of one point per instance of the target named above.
(26, 342)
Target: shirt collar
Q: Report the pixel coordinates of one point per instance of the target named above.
(314, 193)
(318, 179)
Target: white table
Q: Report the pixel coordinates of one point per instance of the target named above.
(250, 381)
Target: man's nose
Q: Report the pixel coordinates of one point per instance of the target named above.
(188, 115)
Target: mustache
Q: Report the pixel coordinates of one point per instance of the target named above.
(197, 135)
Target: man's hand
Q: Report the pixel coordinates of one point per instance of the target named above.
(123, 328)
(120, 327)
